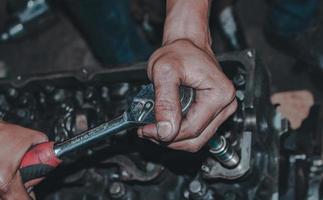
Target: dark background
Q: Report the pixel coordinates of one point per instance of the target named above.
(61, 47)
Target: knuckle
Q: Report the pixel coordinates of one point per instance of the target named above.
(42, 136)
(225, 94)
(190, 133)
(193, 147)
(151, 63)
(35, 136)
(4, 181)
(162, 105)
(233, 107)
(230, 92)
(163, 68)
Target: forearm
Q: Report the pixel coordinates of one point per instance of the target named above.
(187, 19)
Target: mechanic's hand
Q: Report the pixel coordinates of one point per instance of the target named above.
(14, 142)
(183, 63)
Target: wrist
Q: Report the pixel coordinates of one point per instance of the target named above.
(187, 20)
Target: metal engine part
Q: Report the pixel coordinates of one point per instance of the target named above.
(126, 167)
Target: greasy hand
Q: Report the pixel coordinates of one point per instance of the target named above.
(183, 63)
(14, 142)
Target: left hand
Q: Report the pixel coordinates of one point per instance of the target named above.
(15, 141)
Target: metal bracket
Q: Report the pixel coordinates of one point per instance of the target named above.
(216, 170)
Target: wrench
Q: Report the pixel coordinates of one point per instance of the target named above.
(45, 157)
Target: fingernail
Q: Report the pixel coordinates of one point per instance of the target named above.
(164, 129)
(153, 140)
(139, 132)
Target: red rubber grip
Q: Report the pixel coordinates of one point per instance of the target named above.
(38, 162)
(41, 154)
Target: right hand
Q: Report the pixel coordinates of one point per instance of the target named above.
(183, 63)
(15, 141)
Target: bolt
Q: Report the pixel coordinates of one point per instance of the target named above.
(318, 163)
(84, 71)
(150, 166)
(205, 169)
(89, 93)
(240, 95)
(124, 173)
(114, 176)
(223, 152)
(117, 190)
(60, 95)
(227, 134)
(237, 118)
(4, 36)
(105, 93)
(89, 152)
(49, 88)
(249, 53)
(234, 143)
(239, 80)
(23, 100)
(313, 168)
(21, 113)
(195, 187)
(186, 194)
(12, 92)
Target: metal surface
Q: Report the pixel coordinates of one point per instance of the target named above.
(31, 18)
(216, 170)
(92, 136)
(223, 151)
(130, 172)
(64, 104)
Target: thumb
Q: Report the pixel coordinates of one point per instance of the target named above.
(167, 109)
(16, 190)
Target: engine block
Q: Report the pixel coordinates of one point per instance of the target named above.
(127, 167)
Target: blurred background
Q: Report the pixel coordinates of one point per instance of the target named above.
(39, 36)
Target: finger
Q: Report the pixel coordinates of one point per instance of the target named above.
(36, 137)
(16, 190)
(167, 104)
(150, 131)
(194, 145)
(141, 135)
(32, 195)
(207, 106)
(139, 132)
(33, 182)
(19, 140)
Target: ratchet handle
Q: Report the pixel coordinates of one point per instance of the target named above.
(38, 162)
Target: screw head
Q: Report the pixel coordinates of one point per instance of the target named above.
(124, 173)
(250, 54)
(12, 92)
(84, 71)
(195, 187)
(117, 190)
(186, 194)
(150, 166)
(205, 169)
(239, 80)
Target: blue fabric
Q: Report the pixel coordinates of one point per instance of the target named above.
(110, 30)
(289, 17)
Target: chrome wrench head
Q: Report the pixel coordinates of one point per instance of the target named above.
(141, 109)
